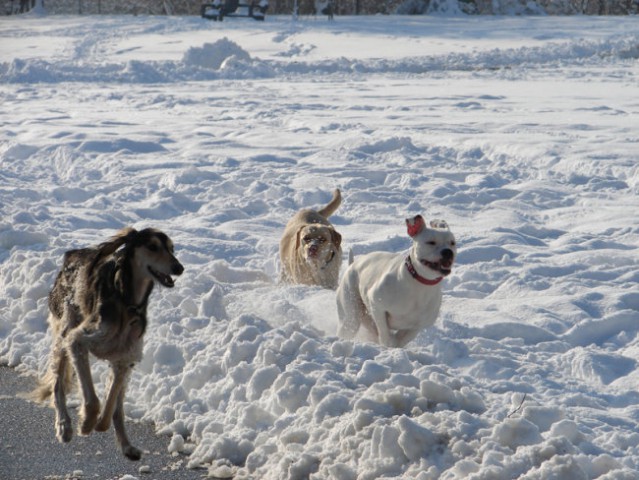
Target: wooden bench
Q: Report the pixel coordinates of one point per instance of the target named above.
(218, 9)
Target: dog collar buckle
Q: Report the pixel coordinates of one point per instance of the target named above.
(418, 277)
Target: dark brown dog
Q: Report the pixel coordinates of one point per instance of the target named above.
(98, 305)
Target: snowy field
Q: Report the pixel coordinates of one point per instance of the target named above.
(521, 132)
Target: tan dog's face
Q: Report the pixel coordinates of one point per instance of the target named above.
(318, 243)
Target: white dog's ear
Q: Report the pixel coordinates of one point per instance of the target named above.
(439, 224)
(415, 225)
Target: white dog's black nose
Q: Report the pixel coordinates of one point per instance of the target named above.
(447, 254)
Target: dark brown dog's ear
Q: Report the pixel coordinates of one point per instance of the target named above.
(336, 238)
(123, 237)
(415, 225)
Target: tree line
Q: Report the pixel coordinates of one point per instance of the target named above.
(340, 7)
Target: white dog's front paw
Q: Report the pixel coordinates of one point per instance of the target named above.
(388, 340)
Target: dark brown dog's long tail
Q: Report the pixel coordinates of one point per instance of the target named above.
(44, 391)
(330, 208)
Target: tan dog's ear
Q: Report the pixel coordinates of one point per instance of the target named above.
(298, 239)
(336, 238)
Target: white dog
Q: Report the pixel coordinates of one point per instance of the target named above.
(394, 296)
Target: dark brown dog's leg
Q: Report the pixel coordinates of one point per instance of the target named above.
(119, 377)
(59, 359)
(129, 451)
(80, 358)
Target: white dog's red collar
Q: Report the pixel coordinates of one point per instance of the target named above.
(417, 276)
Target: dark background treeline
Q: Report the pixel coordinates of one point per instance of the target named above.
(341, 7)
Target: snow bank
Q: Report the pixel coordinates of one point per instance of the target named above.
(93, 61)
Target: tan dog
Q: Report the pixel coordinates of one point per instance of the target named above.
(98, 305)
(394, 296)
(310, 248)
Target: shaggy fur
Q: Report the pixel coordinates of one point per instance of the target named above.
(310, 248)
(98, 305)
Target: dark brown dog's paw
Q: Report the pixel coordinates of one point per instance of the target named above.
(132, 453)
(88, 418)
(63, 430)
(104, 423)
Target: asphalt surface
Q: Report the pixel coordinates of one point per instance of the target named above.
(30, 451)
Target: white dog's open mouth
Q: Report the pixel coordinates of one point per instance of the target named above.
(163, 278)
(443, 266)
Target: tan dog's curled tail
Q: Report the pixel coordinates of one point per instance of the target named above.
(330, 208)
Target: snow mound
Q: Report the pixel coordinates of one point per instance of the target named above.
(215, 55)
(274, 396)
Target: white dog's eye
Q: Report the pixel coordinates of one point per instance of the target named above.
(432, 243)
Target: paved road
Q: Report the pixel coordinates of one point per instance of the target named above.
(30, 451)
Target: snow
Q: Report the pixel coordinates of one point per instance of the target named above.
(520, 132)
